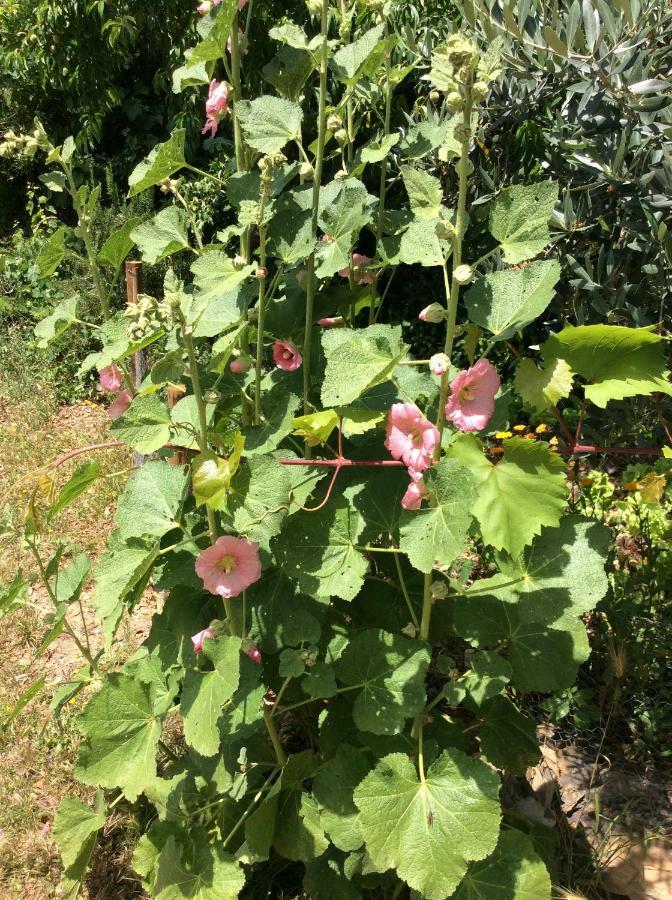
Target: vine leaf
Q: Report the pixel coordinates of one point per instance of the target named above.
(164, 161)
(438, 533)
(345, 208)
(201, 872)
(279, 404)
(390, 670)
(76, 826)
(424, 192)
(618, 361)
(52, 252)
(517, 495)
(513, 872)
(505, 302)
(121, 732)
(508, 738)
(453, 816)
(319, 551)
(205, 693)
(152, 498)
(164, 235)
(519, 219)
(358, 360)
(270, 123)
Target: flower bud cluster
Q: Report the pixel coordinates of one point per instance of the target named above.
(267, 166)
(147, 315)
(16, 145)
(169, 185)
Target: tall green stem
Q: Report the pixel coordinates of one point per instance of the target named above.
(261, 307)
(99, 284)
(275, 738)
(317, 181)
(382, 190)
(241, 155)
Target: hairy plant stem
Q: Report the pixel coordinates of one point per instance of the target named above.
(382, 190)
(239, 143)
(452, 289)
(261, 305)
(202, 438)
(275, 737)
(249, 809)
(317, 182)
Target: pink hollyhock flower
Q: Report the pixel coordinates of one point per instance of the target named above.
(120, 404)
(365, 277)
(215, 106)
(240, 365)
(472, 399)
(229, 566)
(206, 6)
(415, 492)
(254, 653)
(439, 363)
(433, 313)
(242, 4)
(410, 436)
(197, 639)
(331, 322)
(286, 356)
(110, 379)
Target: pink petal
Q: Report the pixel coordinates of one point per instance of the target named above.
(110, 379)
(244, 570)
(286, 356)
(120, 404)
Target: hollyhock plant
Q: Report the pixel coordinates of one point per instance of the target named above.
(361, 277)
(215, 106)
(110, 379)
(433, 313)
(229, 566)
(410, 436)
(415, 492)
(120, 404)
(286, 356)
(197, 639)
(439, 363)
(472, 399)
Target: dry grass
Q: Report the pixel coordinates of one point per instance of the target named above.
(37, 751)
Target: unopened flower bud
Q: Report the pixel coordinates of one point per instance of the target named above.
(439, 364)
(454, 101)
(341, 137)
(434, 97)
(306, 170)
(239, 261)
(334, 122)
(461, 51)
(439, 590)
(253, 314)
(433, 313)
(314, 7)
(211, 397)
(479, 90)
(463, 274)
(261, 273)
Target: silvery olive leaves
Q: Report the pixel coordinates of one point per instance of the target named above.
(327, 685)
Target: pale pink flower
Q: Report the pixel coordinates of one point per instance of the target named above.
(240, 365)
(120, 404)
(331, 322)
(110, 379)
(197, 639)
(206, 6)
(360, 277)
(433, 313)
(439, 363)
(242, 4)
(215, 106)
(415, 492)
(286, 356)
(410, 436)
(472, 399)
(229, 566)
(254, 653)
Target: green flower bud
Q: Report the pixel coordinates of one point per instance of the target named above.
(434, 97)
(341, 137)
(463, 274)
(461, 51)
(334, 122)
(306, 171)
(454, 101)
(314, 7)
(212, 397)
(480, 90)
(439, 590)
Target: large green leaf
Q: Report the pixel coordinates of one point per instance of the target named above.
(361, 56)
(519, 219)
(429, 831)
(618, 361)
(205, 693)
(145, 426)
(542, 388)
(118, 245)
(279, 405)
(217, 278)
(559, 576)
(259, 498)
(76, 826)
(319, 551)
(152, 498)
(517, 495)
(58, 322)
(165, 160)
(512, 872)
(216, 32)
(505, 302)
(418, 244)
(437, 534)
(164, 235)
(203, 872)
(121, 732)
(333, 787)
(390, 670)
(542, 658)
(345, 208)
(270, 123)
(288, 71)
(508, 738)
(52, 252)
(79, 482)
(424, 192)
(358, 360)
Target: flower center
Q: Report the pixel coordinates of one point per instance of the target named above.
(286, 354)
(466, 393)
(227, 564)
(415, 435)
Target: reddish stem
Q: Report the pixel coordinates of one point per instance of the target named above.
(621, 451)
(64, 457)
(343, 463)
